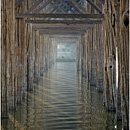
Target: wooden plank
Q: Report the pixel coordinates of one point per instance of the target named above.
(60, 36)
(77, 36)
(66, 37)
(61, 33)
(43, 15)
(75, 7)
(62, 7)
(59, 39)
(94, 6)
(78, 5)
(64, 40)
(34, 6)
(68, 22)
(55, 10)
(43, 6)
(68, 7)
(61, 25)
(49, 9)
(18, 3)
(63, 28)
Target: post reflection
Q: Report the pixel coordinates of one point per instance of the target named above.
(61, 99)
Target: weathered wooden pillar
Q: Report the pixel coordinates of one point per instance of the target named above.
(78, 58)
(116, 58)
(123, 61)
(30, 57)
(21, 53)
(86, 54)
(109, 59)
(37, 57)
(116, 25)
(78, 55)
(99, 47)
(83, 58)
(8, 77)
(41, 55)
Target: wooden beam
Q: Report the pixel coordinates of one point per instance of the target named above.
(94, 6)
(49, 9)
(43, 6)
(61, 25)
(63, 28)
(64, 36)
(34, 6)
(67, 22)
(68, 7)
(78, 5)
(43, 15)
(75, 7)
(64, 40)
(55, 10)
(61, 33)
(18, 3)
(62, 7)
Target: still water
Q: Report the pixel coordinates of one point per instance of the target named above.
(61, 100)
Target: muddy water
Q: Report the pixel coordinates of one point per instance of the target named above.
(61, 100)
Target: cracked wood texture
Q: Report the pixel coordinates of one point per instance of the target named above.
(116, 38)
(21, 55)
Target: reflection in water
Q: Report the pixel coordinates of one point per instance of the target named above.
(61, 100)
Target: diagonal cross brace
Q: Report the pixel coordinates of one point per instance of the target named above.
(43, 6)
(52, 6)
(78, 5)
(94, 6)
(34, 6)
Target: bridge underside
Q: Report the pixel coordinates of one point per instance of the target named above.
(96, 33)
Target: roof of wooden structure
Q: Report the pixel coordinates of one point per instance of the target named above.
(61, 13)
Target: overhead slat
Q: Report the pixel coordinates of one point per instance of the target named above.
(68, 7)
(64, 21)
(63, 28)
(62, 33)
(52, 30)
(62, 25)
(43, 6)
(94, 6)
(34, 6)
(67, 36)
(52, 6)
(43, 15)
(78, 5)
(64, 38)
(62, 7)
(76, 8)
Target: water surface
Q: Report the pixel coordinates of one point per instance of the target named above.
(61, 100)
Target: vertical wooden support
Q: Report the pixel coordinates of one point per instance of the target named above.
(30, 57)
(123, 61)
(37, 57)
(116, 96)
(8, 56)
(21, 54)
